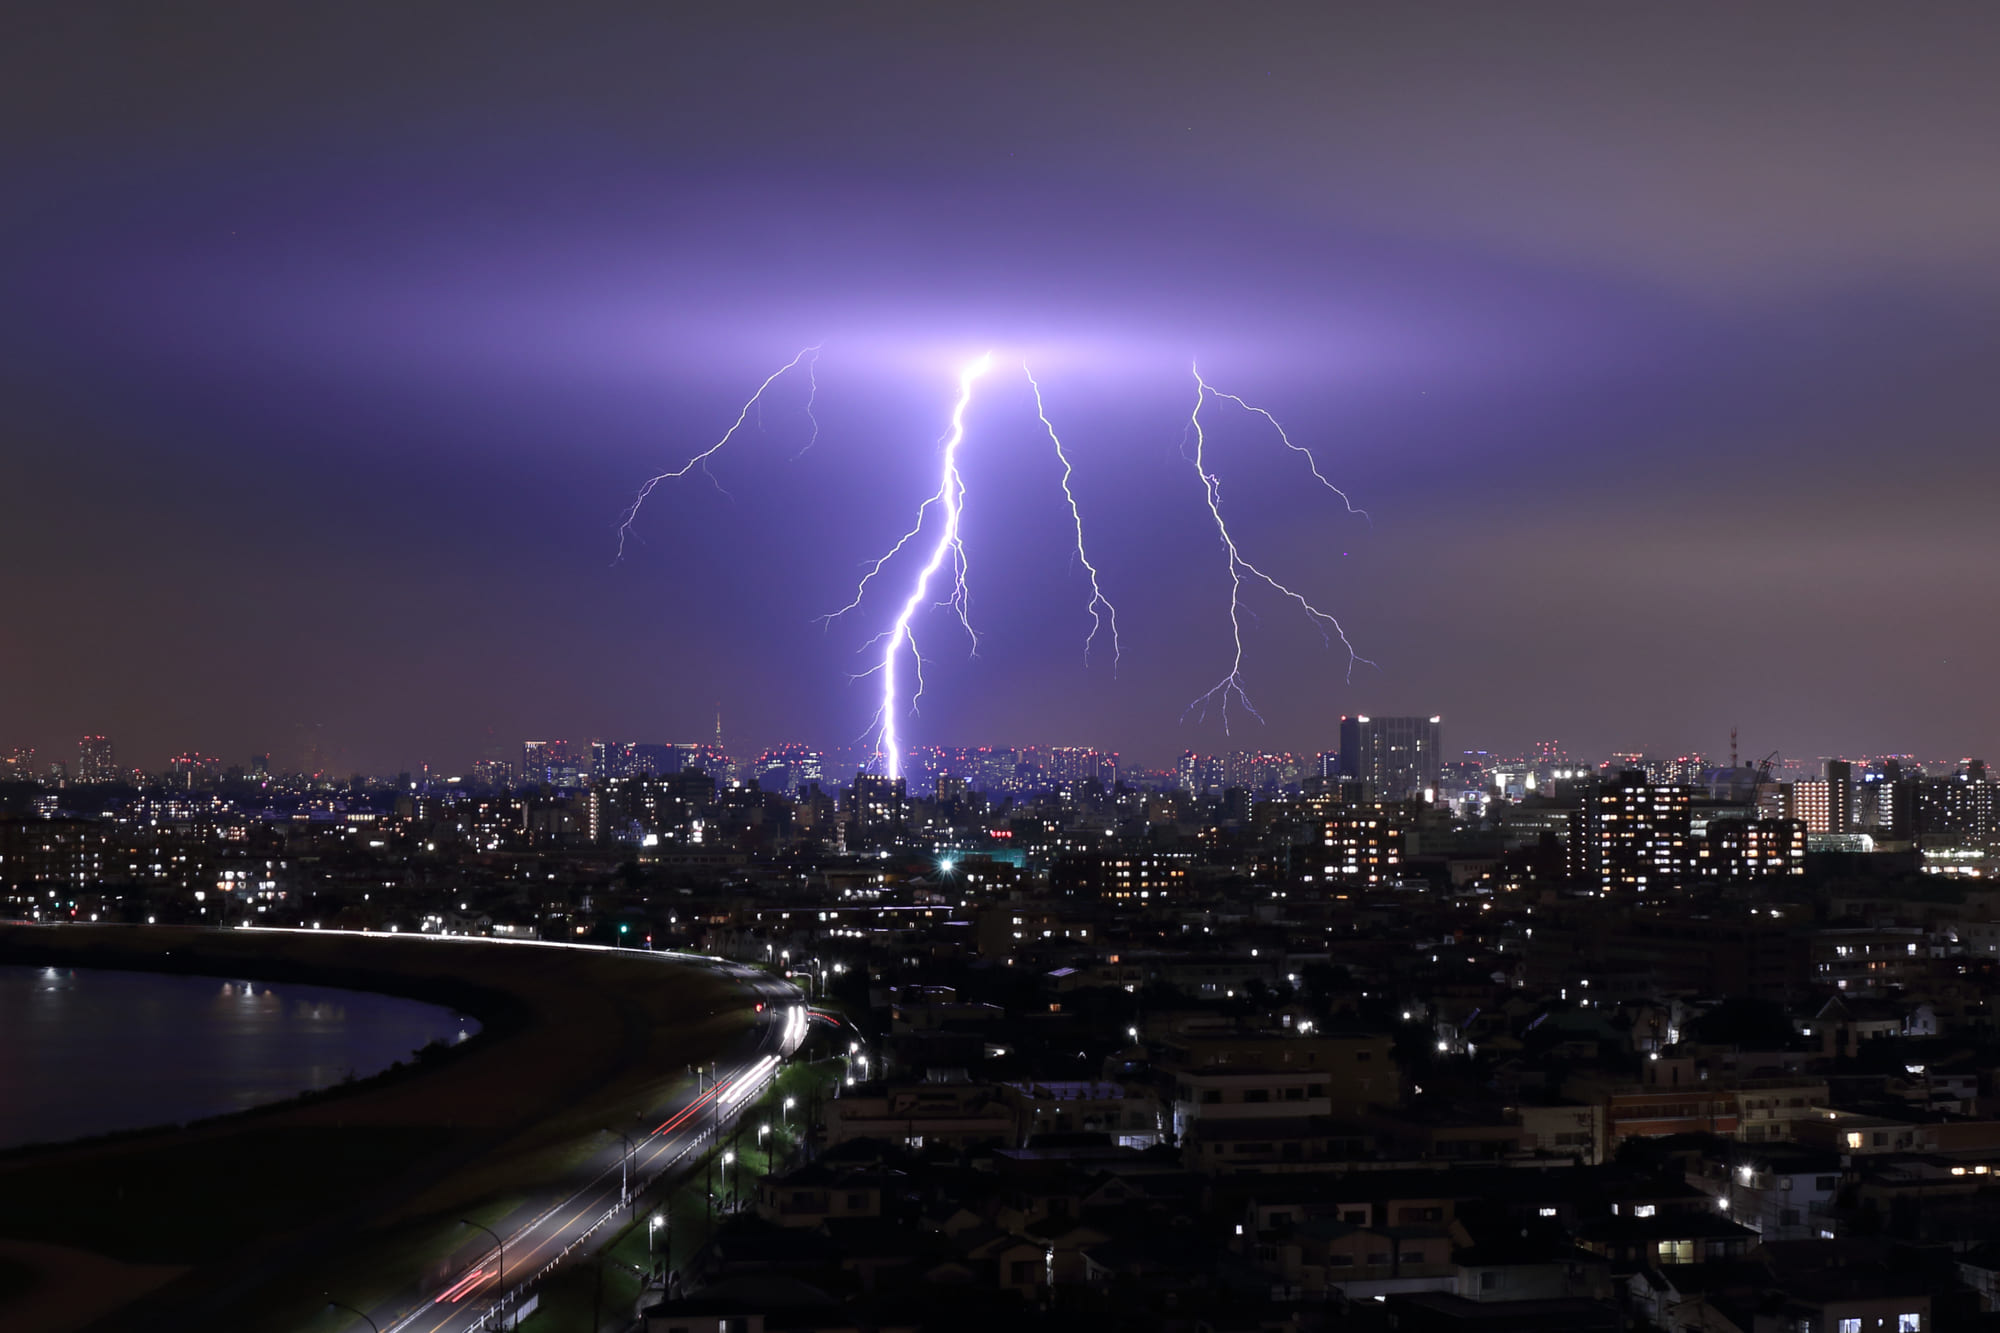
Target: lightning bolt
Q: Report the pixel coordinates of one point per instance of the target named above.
(950, 498)
(1097, 597)
(812, 396)
(1311, 462)
(810, 355)
(1231, 685)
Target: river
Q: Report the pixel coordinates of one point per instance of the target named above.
(86, 1051)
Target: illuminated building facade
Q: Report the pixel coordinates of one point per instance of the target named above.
(1121, 877)
(1394, 758)
(1637, 835)
(877, 811)
(94, 763)
(1739, 849)
(1362, 845)
(552, 763)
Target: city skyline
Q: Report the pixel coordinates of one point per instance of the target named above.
(91, 759)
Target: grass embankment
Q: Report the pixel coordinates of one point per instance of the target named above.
(358, 1190)
(601, 1293)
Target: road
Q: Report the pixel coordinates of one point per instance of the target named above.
(588, 1207)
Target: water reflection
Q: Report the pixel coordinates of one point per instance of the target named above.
(86, 1052)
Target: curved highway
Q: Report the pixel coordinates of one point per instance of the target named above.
(592, 1203)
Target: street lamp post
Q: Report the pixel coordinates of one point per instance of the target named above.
(728, 1156)
(333, 1304)
(500, 1268)
(789, 1103)
(624, 1168)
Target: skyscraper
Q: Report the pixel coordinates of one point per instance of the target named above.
(1395, 758)
(93, 760)
(1826, 804)
(550, 762)
(1637, 834)
(877, 808)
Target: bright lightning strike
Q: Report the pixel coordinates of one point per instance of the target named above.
(812, 396)
(1097, 598)
(810, 355)
(1311, 462)
(950, 498)
(1231, 685)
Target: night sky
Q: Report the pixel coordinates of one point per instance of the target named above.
(1659, 343)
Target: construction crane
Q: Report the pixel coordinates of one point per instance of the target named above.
(1763, 776)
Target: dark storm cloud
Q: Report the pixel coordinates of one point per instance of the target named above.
(1656, 341)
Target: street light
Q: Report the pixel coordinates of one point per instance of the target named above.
(653, 1223)
(624, 1166)
(790, 1102)
(762, 1130)
(500, 1267)
(333, 1304)
(728, 1156)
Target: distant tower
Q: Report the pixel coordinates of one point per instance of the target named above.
(94, 761)
(1396, 758)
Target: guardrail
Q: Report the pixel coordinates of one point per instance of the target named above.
(494, 1315)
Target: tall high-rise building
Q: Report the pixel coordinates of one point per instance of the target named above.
(1637, 835)
(496, 773)
(1840, 795)
(193, 769)
(1811, 805)
(790, 767)
(93, 760)
(1073, 765)
(550, 762)
(1826, 805)
(1875, 803)
(536, 756)
(1954, 812)
(1200, 773)
(878, 808)
(1260, 771)
(1395, 758)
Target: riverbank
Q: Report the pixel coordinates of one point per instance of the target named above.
(260, 1211)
